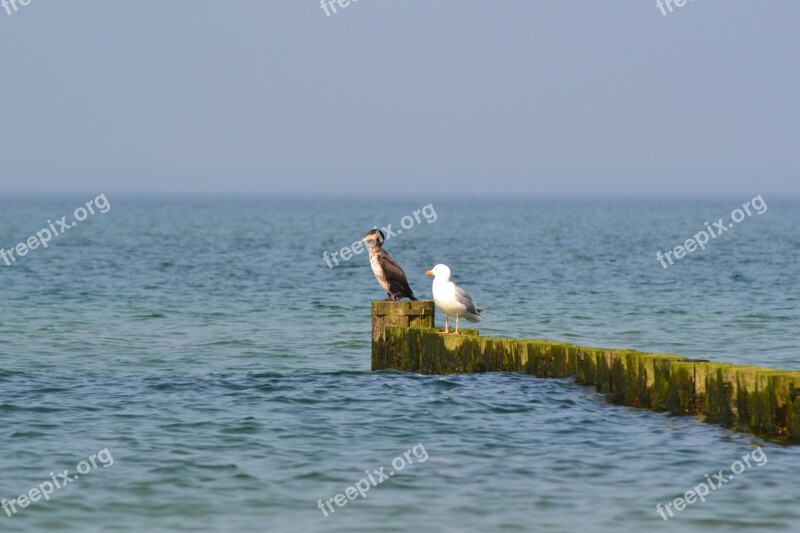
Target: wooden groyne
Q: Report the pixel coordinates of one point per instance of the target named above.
(757, 400)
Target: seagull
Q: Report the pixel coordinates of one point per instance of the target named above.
(386, 270)
(451, 299)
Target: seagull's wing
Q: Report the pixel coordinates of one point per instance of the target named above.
(466, 300)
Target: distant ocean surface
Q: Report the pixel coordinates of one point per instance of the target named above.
(206, 345)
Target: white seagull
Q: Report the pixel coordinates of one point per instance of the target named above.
(451, 299)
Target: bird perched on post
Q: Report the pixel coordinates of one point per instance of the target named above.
(388, 273)
(451, 299)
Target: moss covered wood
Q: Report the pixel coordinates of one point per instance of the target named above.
(758, 400)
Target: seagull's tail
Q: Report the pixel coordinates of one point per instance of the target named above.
(472, 317)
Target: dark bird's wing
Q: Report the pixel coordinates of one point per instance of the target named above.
(398, 284)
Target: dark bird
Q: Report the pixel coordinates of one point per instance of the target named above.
(386, 270)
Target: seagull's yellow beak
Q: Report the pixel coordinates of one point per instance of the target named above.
(429, 273)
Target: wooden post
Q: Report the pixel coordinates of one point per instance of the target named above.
(762, 401)
(404, 314)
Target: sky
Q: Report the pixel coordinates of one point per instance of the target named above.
(535, 97)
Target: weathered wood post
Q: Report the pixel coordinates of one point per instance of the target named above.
(417, 314)
(763, 401)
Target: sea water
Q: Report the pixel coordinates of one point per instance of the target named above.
(205, 345)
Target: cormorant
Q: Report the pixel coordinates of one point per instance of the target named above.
(386, 270)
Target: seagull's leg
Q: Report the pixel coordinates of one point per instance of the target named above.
(457, 324)
(446, 324)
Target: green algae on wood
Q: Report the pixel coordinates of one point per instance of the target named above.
(758, 400)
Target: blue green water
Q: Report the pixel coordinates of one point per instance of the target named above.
(207, 346)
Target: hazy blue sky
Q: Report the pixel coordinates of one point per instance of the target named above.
(556, 96)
